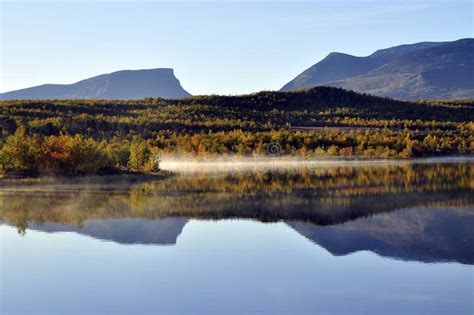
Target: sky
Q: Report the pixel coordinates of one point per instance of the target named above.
(214, 47)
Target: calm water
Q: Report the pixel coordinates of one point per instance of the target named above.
(383, 239)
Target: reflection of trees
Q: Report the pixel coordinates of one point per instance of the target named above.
(321, 196)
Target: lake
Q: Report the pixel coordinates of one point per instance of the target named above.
(374, 238)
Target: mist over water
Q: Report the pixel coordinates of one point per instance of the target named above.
(184, 164)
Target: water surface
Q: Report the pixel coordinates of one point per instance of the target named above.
(381, 239)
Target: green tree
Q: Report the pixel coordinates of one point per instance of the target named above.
(139, 154)
(20, 154)
(143, 157)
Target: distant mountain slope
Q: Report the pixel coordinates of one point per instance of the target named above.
(420, 71)
(127, 84)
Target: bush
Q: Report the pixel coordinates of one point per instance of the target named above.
(27, 155)
(20, 154)
(73, 155)
(142, 157)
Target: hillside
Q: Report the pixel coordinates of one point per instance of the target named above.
(127, 84)
(92, 135)
(420, 71)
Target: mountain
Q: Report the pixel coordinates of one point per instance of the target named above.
(127, 84)
(427, 70)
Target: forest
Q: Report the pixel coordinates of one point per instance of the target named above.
(67, 137)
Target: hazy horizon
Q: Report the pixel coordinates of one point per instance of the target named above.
(231, 47)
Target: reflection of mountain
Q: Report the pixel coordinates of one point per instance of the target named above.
(422, 234)
(358, 206)
(123, 231)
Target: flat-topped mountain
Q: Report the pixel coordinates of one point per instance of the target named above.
(126, 84)
(427, 70)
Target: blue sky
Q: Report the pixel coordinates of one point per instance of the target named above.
(215, 47)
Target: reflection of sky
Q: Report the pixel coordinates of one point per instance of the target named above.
(219, 267)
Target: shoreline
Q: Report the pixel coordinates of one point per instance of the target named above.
(88, 177)
(171, 165)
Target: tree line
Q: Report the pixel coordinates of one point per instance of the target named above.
(90, 136)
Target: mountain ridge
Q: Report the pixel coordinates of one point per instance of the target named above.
(425, 70)
(123, 84)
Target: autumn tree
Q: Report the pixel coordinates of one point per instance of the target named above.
(143, 157)
(20, 153)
